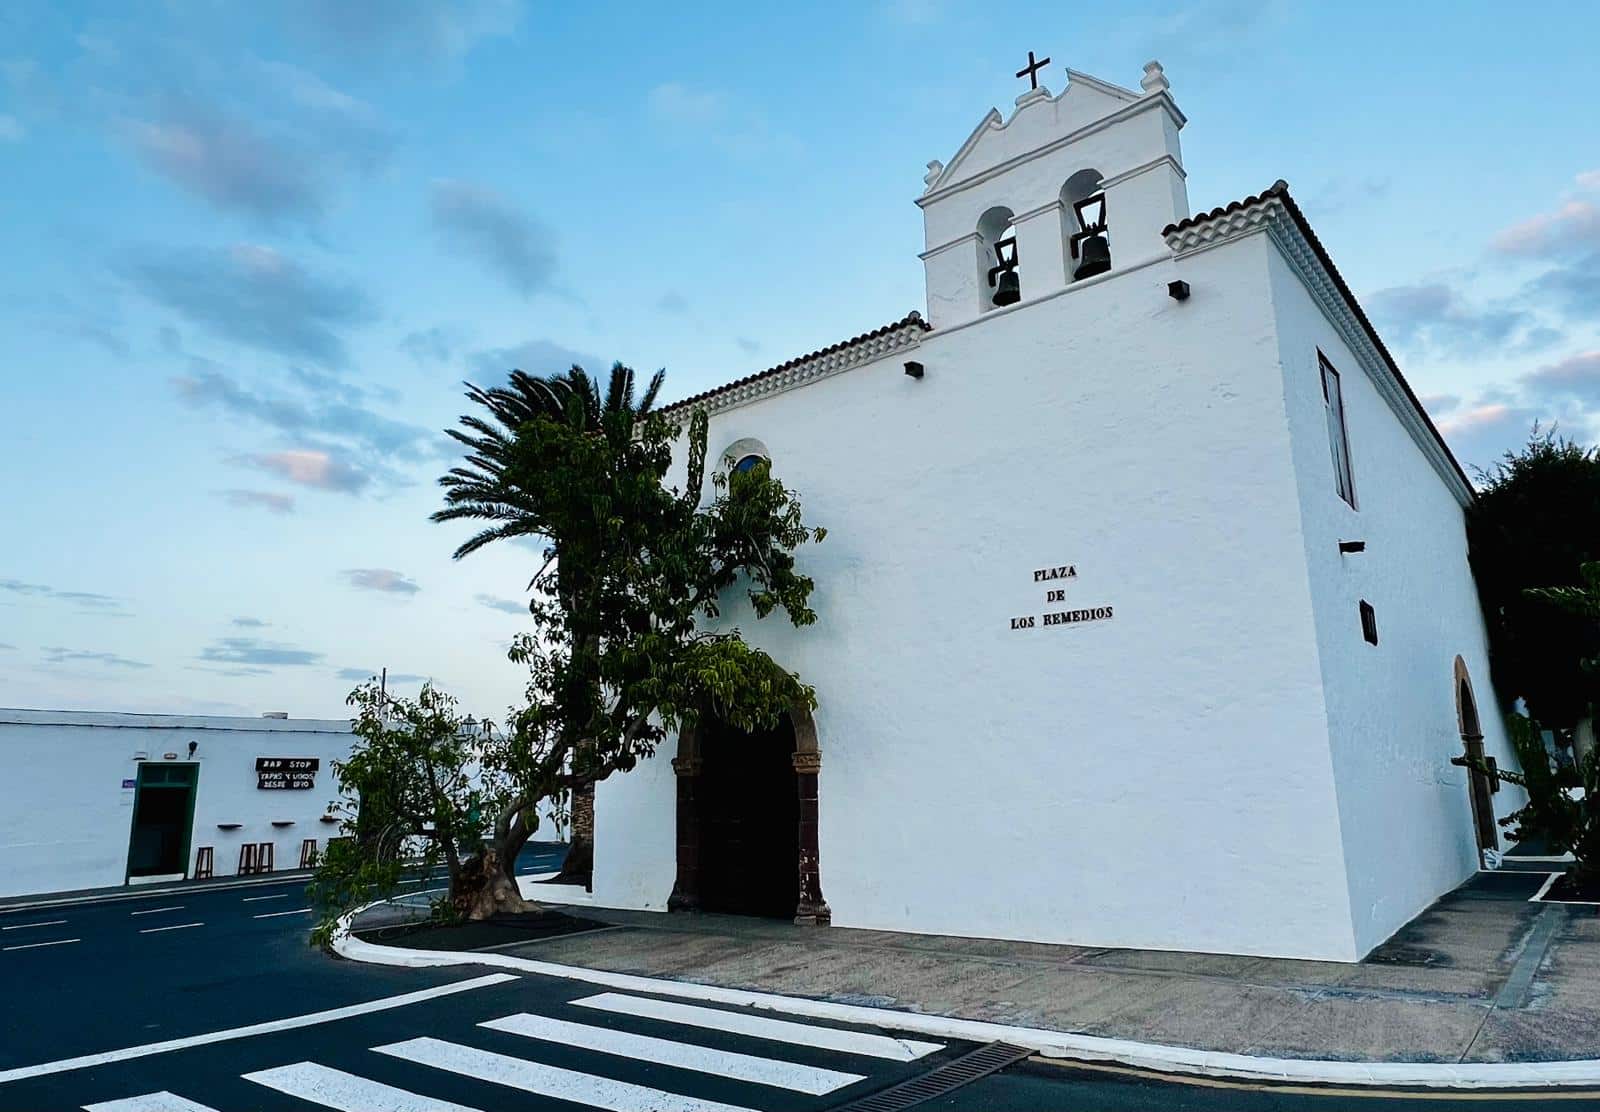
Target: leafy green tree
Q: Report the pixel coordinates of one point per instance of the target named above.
(617, 655)
(1535, 522)
(1566, 820)
(415, 788)
(482, 490)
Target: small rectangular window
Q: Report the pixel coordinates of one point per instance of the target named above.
(1369, 622)
(1338, 439)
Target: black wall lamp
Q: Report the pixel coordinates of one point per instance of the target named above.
(913, 368)
(1178, 290)
(1347, 547)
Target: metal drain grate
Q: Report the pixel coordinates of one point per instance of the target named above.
(952, 1075)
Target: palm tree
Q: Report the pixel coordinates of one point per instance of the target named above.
(480, 490)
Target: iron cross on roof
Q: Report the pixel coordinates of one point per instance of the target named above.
(1031, 70)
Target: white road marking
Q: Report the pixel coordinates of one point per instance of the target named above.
(153, 910)
(547, 1081)
(253, 899)
(173, 927)
(781, 1030)
(36, 945)
(272, 1026)
(25, 926)
(684, 1056)
(150, 1102)
(275, 914)
(333, 1088)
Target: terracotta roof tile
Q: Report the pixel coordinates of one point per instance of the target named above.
(911, 318)
(1279, 190)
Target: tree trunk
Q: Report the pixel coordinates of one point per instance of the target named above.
(484, 889)
(578, 868)
(1583, 740)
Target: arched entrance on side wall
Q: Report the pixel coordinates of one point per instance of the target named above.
(747, 820)
(1478, 786)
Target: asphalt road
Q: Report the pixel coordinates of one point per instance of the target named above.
(210, 1000)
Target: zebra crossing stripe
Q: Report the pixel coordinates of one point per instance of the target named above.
(686, 1056)
(760, 1027)
(547, 1081)
(346, 1092)
(150, 1102)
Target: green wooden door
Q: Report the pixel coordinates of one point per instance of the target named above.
(163, 816)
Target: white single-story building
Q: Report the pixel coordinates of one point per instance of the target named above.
(1145, 612)
(100, 799)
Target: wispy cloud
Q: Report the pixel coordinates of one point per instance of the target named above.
(537, 357)
(673, 302)
(504, 605)
(59, 655)
(480, 224)
(1575, 378)
(90, 601)
(256, 652)
(252, 295)
(325, 415)
(309, 467)
(432, 345)
(675, 103)
(706, 117)
(259, 499)
(250, 623)
(361, 675)
(386, 580)
(1438, 317)
(417, 32)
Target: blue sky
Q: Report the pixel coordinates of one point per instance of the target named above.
(250, 251)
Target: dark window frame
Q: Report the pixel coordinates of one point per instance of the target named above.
(1369, 623)
(1338, 432)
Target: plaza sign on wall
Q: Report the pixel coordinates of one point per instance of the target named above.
(1060, 574)
(286, 773)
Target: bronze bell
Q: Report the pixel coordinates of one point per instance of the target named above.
(1094, 257)
(1009, 289)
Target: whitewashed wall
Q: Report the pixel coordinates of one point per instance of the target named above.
(1404, 809)
(1161, 779)
(65, 818)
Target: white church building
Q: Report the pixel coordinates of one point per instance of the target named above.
(1145, 617)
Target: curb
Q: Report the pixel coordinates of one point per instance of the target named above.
(1155, 1057)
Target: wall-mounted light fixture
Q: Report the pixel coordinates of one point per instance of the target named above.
(1178, 290)
(193, 745)
(913, 368)
(1347, 547)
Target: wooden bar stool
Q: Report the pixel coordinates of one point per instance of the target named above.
(263, 857)
(202, 862)
(247, 859)
(308, 853)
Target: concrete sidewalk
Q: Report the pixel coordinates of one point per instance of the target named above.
(1482, 976)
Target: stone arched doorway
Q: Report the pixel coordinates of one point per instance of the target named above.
(1480, 786)
(747, 820)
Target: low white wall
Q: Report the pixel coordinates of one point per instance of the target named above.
(66, 818)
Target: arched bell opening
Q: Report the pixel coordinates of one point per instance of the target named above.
(999, 264)
(747, 820)
(1084, 230)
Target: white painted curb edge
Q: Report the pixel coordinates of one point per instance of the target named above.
(1050, 1044)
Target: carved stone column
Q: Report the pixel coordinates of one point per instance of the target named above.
(813, 909)
(686, 887)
